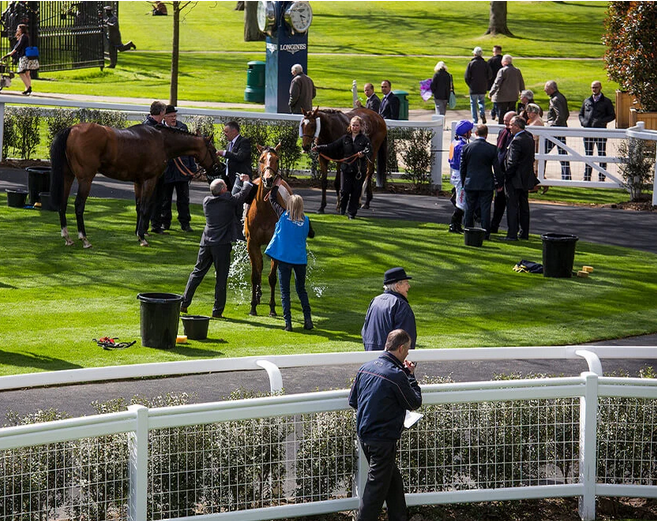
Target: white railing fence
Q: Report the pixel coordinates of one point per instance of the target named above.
(574, 154)
(296, 455)
(139, 112)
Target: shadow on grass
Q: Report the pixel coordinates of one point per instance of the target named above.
(45, 363)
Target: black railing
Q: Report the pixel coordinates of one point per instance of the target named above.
(69, 35)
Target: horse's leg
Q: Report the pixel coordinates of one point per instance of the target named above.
(323, 168)
(137, 205)
(68, 182)
(272, 287)
(255, 255)
(336, 186)
(84, 187)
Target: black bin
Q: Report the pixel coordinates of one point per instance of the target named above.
(16, 198)
(558, 254)
(38, 180)
(196, 326)
(160, 313)
(46, 203)
(474, 236)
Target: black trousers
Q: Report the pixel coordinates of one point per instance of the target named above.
(219, 256)
(155, 207)
(182, 203)
(498, 211)
(517, 212)
(478, 199)
(350, 190)
(503, 107)
(384, 483)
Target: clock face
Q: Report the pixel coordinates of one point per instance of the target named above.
(299, 16)
(266, 16)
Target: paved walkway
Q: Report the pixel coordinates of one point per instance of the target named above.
(605, 226)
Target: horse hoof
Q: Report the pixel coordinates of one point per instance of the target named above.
(365, 206)
(143, 242)
(273, 314)
(86, 245)
(321, 210)
(68, 242)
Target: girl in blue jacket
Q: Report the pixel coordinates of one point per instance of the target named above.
(288, 247)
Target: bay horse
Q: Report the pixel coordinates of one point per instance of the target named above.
(322, 127)
(260, 224)
(138, 154)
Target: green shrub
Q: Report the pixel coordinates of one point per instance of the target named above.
(202, 126)
(637, 170)
(27, 122)
(108, 118)
(287, 134)
(59, 119)
(417, 157)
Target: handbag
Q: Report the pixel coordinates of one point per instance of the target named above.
(452, 100)
(32, 52)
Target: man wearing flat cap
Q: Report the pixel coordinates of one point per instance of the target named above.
(389, 311)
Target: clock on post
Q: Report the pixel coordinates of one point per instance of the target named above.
(286, 25)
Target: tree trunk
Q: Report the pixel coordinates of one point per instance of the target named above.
(497, 19)
(251, 31)
(175, 53)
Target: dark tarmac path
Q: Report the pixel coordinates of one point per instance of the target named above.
(600, 225)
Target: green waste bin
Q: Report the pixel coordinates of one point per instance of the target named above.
(558, 254)
(403, 103)
(255, 82)
(160, 313)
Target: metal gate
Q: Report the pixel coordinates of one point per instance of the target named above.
(69, 35)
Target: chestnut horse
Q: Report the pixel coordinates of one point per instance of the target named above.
(325, 126)
(260, 224)
(138, 154)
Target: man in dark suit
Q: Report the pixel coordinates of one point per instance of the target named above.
(503, 140)
(480, 175)
(237, 156)
(216, 242)
(519, 179)
(389, 108)
(373, 101)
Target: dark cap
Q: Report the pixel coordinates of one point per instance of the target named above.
(395, 275)
(170, 109)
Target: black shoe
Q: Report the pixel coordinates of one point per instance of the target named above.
(483, 119)
(217, 315)
(183, 309)
(166, 226)
(365, 206)
(343, 212)
(159, 231)
(351, 217)
(134, 47)
(494, 230)
(27, 91)
(508, 238)
(455, 228)
(288, 327)
(186, 228)
(308, 323)
(523, 237)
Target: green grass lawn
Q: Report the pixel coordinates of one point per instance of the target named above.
(214, 55)
(54, 300)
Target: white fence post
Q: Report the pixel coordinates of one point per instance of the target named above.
(138, 465)
(437, 153)
(588, 413)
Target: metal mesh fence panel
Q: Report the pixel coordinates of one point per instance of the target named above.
(492, 445)
(83, 479)
(627, 441)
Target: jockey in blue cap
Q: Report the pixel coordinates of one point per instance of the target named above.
(463, 131)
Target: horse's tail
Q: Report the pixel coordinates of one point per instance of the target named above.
(57, 164)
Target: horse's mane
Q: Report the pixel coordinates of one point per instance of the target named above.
(331, 111)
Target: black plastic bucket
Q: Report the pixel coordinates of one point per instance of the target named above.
(558, 254)
(159, 319)
(46, 203)
(38, 180)
(474, 236)
(16, 198)
(195, 326)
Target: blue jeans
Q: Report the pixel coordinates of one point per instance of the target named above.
(478, 99)
(284, 276)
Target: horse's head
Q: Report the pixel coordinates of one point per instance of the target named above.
(209, 160)
(268, 165)
(309, 129)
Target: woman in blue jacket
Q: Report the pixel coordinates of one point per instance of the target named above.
(288, 247)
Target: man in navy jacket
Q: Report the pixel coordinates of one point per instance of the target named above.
(389, 311)
(384, 389)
